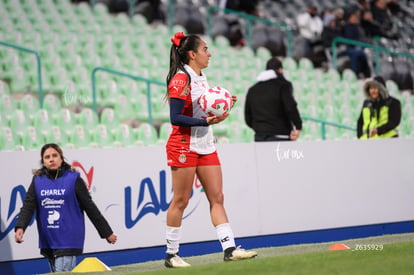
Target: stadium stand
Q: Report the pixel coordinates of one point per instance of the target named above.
(72, 39)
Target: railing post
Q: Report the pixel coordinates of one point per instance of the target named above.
(334, 53)
(39, 67)
(323, 130)
(377, 60)
(93, 79)
(170, 17)
(149, 103)
(131, 8)
(134, 77)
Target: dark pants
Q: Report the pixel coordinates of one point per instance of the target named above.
(359, 61)
(261, 137)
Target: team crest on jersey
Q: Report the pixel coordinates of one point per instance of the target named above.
(186, 91)
(182, 158)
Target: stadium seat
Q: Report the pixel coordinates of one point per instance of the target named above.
(147, 134)
(7, 140)
(32, 139)
(29, 104)
(87, 118)
(103, 137)
(80, 137)
(7, 106)
(165, 131)
(110, 118)
(42, 122)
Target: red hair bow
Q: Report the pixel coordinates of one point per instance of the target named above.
(177, 38)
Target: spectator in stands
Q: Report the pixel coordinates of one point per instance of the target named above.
(270, 108)
(370, 26)
(396, 9)
(353, 30)
(380, 114)
(382, 14)
(330, 30)
(62, 228)
(249, 7)
(191, 150)
(310, 29)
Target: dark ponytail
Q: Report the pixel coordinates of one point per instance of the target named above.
(179, 56)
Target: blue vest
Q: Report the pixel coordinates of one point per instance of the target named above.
(60, 221)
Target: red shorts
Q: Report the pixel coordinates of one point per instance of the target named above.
(186, 158)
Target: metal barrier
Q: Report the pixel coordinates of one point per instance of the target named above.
(324, 123)
(377, 49)
(39, 66)
(134, 77)
(249, 19)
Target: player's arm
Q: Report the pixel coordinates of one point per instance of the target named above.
(179, 119)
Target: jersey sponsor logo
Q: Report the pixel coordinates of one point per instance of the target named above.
(53, 217)
(52, 192)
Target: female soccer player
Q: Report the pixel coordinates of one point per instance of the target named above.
(190, 148)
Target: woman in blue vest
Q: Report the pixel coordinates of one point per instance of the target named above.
(60, 197)
(380, 114)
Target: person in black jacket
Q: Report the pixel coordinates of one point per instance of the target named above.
(59, 197)
(270, 108)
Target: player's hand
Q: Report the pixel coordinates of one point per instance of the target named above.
(215, 119)
(233, 100)
(112, 239)
(19, 235)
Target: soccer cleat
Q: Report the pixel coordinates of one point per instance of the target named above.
(173, 260)
(239, 254)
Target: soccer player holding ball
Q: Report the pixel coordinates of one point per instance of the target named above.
(190, 147)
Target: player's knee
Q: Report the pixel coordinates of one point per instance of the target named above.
(218, 199)
(180, 202)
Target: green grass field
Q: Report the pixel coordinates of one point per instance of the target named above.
(395, 257)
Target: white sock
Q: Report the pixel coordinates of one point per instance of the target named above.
(225, 235)
(173, 237)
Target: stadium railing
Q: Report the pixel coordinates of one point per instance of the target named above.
(128, 75)
(377, 49)
(325, 123)
(249, 19)
(39, 65)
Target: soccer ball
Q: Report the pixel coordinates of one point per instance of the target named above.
(215, 101)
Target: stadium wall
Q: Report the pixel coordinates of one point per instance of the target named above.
(275, 194)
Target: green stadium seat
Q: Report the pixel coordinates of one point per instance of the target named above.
(32, 139)
(123, 108)
(103, 137)
(124, 136)
(165, 131)
(7, 140)
(19, 123)
(7, 106)
(87, 118)
(349, 76)
(57, 135)
(4, 88)
(81, 138)
(29, 104)
(147, 134)
(109, 118)
(42, 122)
